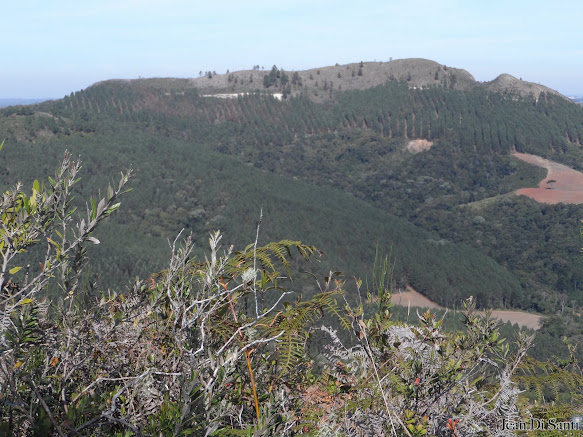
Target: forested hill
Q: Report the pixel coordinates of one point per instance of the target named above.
(399, 154)
(489, 121)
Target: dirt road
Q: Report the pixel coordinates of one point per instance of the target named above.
(413, 298)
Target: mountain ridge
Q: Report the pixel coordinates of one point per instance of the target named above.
(322, 83)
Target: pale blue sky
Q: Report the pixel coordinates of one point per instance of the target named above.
(51, 48)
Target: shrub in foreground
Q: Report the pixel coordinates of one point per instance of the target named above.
(219, 347)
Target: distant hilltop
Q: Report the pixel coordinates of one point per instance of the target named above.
(19, 102)
(321, 84)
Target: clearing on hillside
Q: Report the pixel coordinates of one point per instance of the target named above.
(420, 145)
(413, 298)
(562, 184)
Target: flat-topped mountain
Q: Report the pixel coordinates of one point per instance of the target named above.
(323, 83)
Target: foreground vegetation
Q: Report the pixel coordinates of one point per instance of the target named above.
(221, 345)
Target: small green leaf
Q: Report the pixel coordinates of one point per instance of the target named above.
(53, 242)
(93, 209)
(26, 301)
(112, 208)
(13, 270)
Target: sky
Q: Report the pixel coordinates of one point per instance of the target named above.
(51, 48)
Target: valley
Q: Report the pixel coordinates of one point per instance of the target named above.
(409, 158)
(243, 281)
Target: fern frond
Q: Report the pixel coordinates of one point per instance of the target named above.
(294, 321)
(545, 377)
(267, 256)
(331, 305)
(224, 328)
(290, 351)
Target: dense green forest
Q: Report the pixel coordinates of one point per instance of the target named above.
(198, 349)
(220, 192)
(191, 156)
(283, 176)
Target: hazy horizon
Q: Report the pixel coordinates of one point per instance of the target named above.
(37, 99)
(64, 46)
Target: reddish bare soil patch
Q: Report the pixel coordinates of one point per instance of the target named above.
(413, 298)
(562, 184)
(416, 146)
(528, 320)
